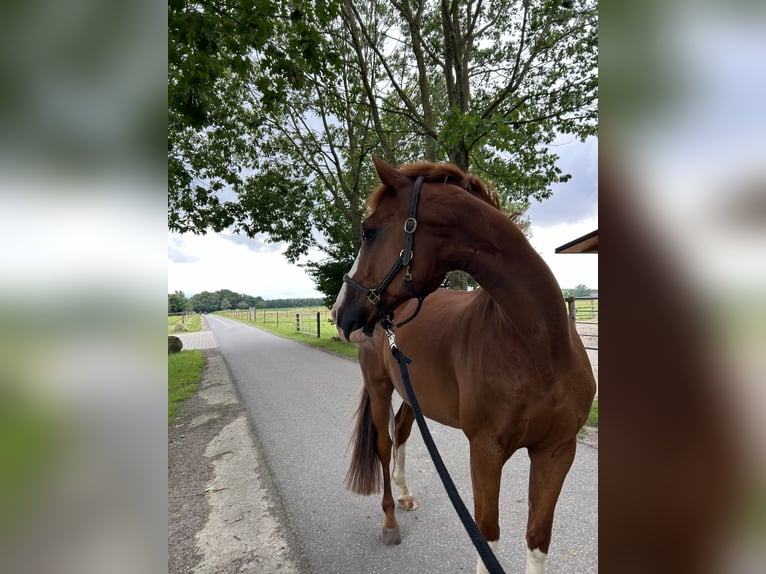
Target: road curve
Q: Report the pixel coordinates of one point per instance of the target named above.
(301, 402)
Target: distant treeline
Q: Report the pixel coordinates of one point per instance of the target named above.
(223, 299)
(580, 291)
(300, 302)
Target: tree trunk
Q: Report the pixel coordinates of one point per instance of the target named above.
(414, 22)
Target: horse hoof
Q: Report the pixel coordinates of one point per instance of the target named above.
(408, 503)
(391, 537)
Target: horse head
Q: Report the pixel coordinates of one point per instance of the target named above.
(386, 271)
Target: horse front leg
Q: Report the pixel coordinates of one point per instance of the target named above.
(548, 468)
(381, 407)
(404, 420)
(486, 470)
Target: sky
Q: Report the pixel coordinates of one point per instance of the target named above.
(257, 267)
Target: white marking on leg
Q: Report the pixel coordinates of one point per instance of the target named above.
(480, 568)
(399, 472)
(536, 561)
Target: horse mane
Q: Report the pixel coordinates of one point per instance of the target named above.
(441, 173)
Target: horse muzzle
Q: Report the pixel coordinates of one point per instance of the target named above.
(352, 319)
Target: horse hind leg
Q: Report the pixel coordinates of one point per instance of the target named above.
(548, 469)
(380, 411)
(370, 449)
(403, 426)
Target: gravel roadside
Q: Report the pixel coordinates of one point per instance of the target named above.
(224, 515)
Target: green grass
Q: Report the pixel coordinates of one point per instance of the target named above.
(184, 374)
(592, 421)
(282, 322)
(193, 323)
(593, 415)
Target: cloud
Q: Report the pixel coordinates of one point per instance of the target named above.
(572, 211)
(257, 244)
(578, 198)
(223, 263)
(176, 253)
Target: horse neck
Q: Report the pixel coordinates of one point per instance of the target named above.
(512, 273)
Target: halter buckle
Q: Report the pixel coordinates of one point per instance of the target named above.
(373, 297)
(410, 225)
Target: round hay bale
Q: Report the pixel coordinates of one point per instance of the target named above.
(174, 344)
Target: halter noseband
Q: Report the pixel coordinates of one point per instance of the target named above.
(405, 257)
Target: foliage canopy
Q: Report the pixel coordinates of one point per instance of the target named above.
(275, 107)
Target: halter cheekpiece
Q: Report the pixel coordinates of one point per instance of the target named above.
(404, 260)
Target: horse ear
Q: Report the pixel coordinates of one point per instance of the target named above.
(388, 174)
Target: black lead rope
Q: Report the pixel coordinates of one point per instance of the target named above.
(485, 552)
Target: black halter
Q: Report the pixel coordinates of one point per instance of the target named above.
(405, 257)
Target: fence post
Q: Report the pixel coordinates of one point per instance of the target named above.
(572, 309)
(318, 327)
(297, 322)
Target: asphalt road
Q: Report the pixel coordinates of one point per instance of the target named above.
(301, 403)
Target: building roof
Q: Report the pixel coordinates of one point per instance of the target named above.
(588, 243)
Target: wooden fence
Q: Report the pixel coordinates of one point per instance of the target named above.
(182, 317)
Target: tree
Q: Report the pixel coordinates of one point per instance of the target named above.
(206, 302)
(215, 96)
(485, 85)
(177, 302)
(581, 291)
(256, 302)
(578, 291)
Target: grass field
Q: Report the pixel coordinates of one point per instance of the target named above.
(193, 323)
(184, 374)
(283, 322)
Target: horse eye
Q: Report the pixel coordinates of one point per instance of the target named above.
(367, 234)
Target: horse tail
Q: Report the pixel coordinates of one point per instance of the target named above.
(364, 475)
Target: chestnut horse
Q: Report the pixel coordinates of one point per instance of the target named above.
(503, 363)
